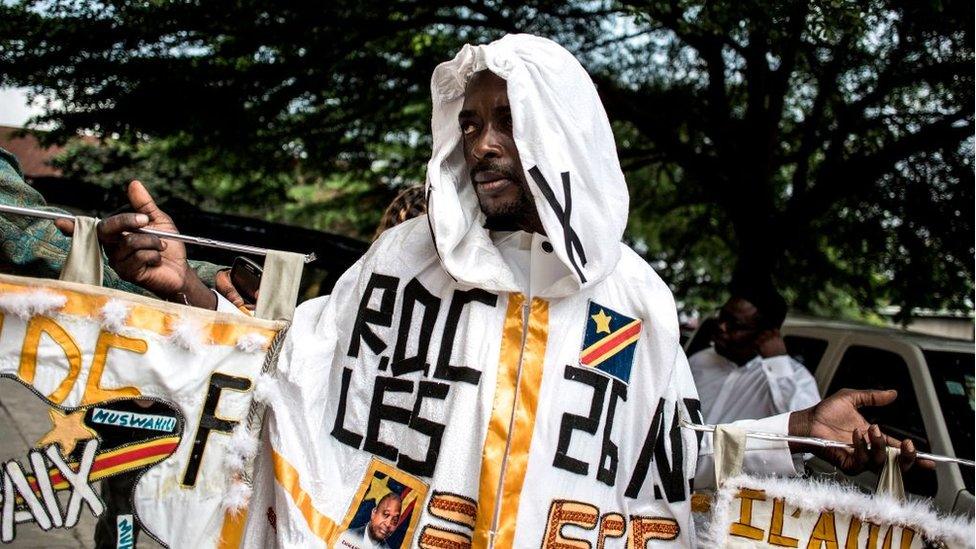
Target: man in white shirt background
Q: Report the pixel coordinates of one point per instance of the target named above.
(747, 373)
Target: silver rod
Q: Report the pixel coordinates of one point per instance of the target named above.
(34, 213)
(200, 241)
(823, 443)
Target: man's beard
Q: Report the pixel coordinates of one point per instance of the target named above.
(517, 208)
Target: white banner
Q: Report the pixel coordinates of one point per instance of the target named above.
(132, 382)
(779, 512)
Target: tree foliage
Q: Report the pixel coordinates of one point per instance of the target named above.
(828, 143)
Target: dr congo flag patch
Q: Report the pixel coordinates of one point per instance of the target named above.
(610, 341)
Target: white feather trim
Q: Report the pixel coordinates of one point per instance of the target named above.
(28, 304)
(187, 334)
(237, 496)
(114, 314)
(816, 495)
(252, 342)
(241, 448)
(266, 390)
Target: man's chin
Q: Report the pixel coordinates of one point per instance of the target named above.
(500, 208)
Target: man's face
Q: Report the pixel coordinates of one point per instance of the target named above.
(489, 149)
(384, 518)
(737, 331)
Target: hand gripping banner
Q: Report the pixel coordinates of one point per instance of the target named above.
(137, 384)
(752, 512)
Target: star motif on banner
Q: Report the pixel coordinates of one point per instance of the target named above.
(377, 489)
(66, 431)
(602, 320)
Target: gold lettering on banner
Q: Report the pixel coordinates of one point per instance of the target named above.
(563, 512)
(744, 528)
(776, 536)
(907, 535)
(37, 326)
(853, 531)
(873, 530)
(107, 341)
(824, 533)
(886, 544)
(94, 392)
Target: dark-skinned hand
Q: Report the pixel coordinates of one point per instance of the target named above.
(769, 343)
(157, 265)
(837, 418)
(224, 286)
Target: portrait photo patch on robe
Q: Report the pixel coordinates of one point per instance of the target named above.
(609, 341)
(386, 510)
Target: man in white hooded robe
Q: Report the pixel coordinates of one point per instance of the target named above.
(505, 363)
(526, 364)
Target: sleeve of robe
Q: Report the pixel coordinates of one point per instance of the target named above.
(761, 456)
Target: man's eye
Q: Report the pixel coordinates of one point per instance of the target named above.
(467, 128)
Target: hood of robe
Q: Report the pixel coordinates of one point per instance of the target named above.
(568, 153)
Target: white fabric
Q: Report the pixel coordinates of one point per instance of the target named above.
(560, 127)
(760, 388)
(730, 443)
(225, 306)
(534, 268)
(143, 359)
(826, 513)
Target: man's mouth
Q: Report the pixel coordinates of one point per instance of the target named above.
(490, 181)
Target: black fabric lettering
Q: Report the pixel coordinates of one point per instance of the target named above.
(573, 422)
(444, 370)
(366, 316)
(693, 406)
(379, 412)
(647, 451)
(210, 422)
(607, 474)
(339, 430)
(433, 430)
(694, 412)
(413, 293)
(571, 240)
(671, 471)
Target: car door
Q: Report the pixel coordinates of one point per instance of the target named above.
(873, 362)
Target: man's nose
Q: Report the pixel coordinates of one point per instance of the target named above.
(488, 145)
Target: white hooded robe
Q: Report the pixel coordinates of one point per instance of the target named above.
(510, 410)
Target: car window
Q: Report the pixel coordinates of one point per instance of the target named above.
(702, 337)
(871, 368)
(952, 376)
(806, 350)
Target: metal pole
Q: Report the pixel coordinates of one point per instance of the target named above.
(821, 442)
(200, 241)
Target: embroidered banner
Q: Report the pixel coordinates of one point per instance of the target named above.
(131, 383)
(778, 512)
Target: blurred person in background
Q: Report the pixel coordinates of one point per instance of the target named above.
(747, 373)
(410, 203)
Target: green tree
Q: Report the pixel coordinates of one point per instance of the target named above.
(828, 143)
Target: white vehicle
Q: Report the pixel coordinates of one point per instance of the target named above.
(934, 379)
